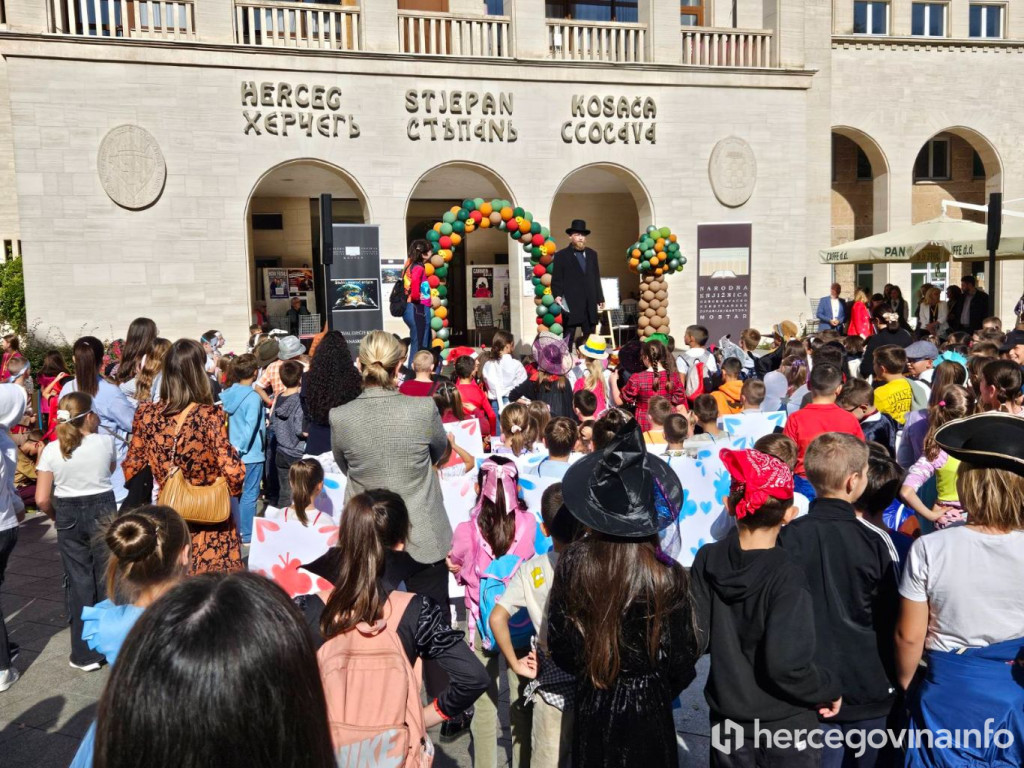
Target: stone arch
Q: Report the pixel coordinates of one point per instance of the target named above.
(290, 188)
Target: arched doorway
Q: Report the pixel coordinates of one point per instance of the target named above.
(860, 200)
(487, 250)
(283, 232)
(958, 164)
(616, 206)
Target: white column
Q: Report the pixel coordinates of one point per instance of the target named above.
(214, 21)
(380, 25)
(529, 28)
(663, 41)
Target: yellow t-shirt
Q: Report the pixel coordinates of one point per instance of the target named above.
(655, 437)
(895, 398)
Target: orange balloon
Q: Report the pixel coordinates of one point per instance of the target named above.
(634, 263)
(485, 210)
(636, 253)
(485, 222)
(441, 312)
(456, 238)
(428, 268)
(438, 343)
(455, 209)
(659, 242)
(673, 239)
(659, 248)
(437, 227)
(470, 226)
(654, 261)
(444, 253)
(506, 213)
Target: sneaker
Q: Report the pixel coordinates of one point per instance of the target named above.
(8, 678)
(452, 727)
(93, 667)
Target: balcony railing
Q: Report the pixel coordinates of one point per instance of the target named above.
(449, 34)
(297, 25)
(596, 41)
(144, 19)
(710, 47)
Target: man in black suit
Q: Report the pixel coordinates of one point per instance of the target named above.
(973, 308)
(576, 283)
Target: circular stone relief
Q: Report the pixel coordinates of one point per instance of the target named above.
(733, 171)
(131, 167)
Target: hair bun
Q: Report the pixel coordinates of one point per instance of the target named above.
(132, 538)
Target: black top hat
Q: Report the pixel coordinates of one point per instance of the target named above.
(623, 491)
(578, 225)
(990, 440)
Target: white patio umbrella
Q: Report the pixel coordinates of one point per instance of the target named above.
(935, 240)
(1011, 243)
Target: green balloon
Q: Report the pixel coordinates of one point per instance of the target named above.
(443, 334)
(682, 259)
(446, 229)
(436, 323)
(665, 231)
(477, 202)
(538, 290)
(673, 247)
(649, 253)
(448, 218)
(433, 235)
(459, 226)
(463, 214)
(547, 299)
(549, 320)
(556, 329)
(502, 227)
(672, 264)
(496, 204)
(651, 229)
(441, 272)
(469, 205)
(537, 251)
(545, 232)
(534, 228)
(517, 212)
(645, 265)
(442, 290)
(536, 280)
(542, 310)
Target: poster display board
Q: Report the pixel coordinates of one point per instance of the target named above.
(487, 286)
(354, 292)
(723, 278)
(610, 289)
(282, 284)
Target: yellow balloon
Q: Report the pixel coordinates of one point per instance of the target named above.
(455, 209)
(485, 222)
(428, 268)
(441, 312)
(445, 254)
(437, 227)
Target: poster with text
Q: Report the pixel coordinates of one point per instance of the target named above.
(483, 282)
(353, 282)
(723, 279)
(277, 283)
(300, 281)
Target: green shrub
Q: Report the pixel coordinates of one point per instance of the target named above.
(12, 296)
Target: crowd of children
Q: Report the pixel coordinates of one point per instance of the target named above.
(864, 477)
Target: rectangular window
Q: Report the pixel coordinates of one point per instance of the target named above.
(692, 14)
(870, 17)
(593, 10)
(928, 19)
(986, 21)
(866, 278)
(863, 166)
(932, 162)
(934, 272)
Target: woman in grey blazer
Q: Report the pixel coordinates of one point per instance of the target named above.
(383, 439)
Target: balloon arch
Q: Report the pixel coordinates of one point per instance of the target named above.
(654, 255)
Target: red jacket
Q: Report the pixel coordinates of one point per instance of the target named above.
(473, 400)
(860, 321)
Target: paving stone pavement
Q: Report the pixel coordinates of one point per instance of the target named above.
(45, 714)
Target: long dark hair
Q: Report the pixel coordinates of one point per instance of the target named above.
(332, 379)
(447, 398)
(656, 355)
(496, 523)
(599, 578)
(53, 364)
(369, 524)
(88, 354)
(186, 669)
(137, 344)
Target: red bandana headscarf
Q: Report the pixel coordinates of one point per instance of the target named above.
(760, 476)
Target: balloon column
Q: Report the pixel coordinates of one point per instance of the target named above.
(446, 236)
(654, 255)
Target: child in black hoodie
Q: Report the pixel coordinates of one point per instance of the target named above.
(852, 568)
(754, 614)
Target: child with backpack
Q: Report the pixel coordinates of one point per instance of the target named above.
(487, 550)
(551, 691)
(376, 637)
(696, 364)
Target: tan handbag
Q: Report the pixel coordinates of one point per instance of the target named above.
(202, 504)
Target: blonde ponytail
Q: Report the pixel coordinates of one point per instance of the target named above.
(71, 413)
(379, 356)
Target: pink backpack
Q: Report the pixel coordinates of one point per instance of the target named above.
(373, 695)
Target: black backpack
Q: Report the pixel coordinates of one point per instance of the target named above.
(398, 298)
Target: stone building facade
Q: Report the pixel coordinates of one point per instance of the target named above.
(399, 109)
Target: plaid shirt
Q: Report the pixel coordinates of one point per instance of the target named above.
(270, 380)
(644, 385)
(553, 684)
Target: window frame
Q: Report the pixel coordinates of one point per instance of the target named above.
(692, 9)
(929, 6)
(999, 8)
(929, 147)
(871, 4)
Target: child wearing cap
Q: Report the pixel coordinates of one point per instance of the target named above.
(754, 614)
(594, 353)
(851, 567)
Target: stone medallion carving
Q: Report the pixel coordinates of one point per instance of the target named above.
(733, 171)
(131, 167)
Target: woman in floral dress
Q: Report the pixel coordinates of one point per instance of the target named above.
(203, 452)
